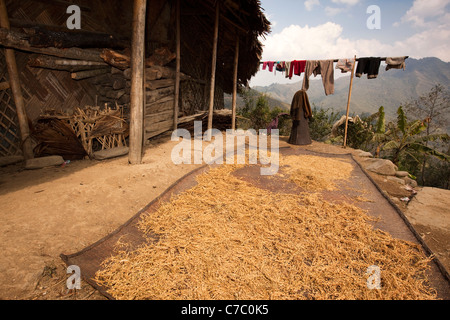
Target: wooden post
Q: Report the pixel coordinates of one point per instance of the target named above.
(348, 102)
(233, 101)
(16, 90)
(177, 76)
(137, 83)
(213, 70)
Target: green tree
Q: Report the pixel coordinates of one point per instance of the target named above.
(404, 139)
(360, 131)
(321, 123)
(381, 123)
(433, 107)
(258, 114)
(379, 135)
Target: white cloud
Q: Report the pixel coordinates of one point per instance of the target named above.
(347, 2)
(333, 11)
(428, 43)
(310, 4)
(295, 42)
(326, 41)
(432, 18)
(329, 11)
(425, 12)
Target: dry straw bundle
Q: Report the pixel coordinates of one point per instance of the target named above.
(314, 173)
(227, 239)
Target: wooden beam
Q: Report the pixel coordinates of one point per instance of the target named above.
(89, 73)
(233, 101)
(160, 57)
(137, 83)
(19, 41)
(213, 69)
(162, 83)
(19, 23)
(43, 37)
(54, 63)
(64, 3)
(177, 75)
(16, 90)
(155, 95)
(159, 72)
(116, 59)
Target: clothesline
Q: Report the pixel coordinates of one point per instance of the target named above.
(366, 65)
(334, 60)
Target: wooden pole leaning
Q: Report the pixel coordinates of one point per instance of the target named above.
(348, 103)
(213, 71)
(137, 83)
(235, 75)
(14, 82)
(177, 76)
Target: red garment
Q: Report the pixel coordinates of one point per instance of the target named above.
(269, 64)
(297, 67)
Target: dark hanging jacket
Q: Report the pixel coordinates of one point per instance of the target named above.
(300, 106)
(369, 66)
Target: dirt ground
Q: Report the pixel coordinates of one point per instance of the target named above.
(57, 210)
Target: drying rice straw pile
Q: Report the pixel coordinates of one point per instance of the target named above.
(314, 173)
(227, 239)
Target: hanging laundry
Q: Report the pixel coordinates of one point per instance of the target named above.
(327, 72)
(369, 66)
(312, 66)
(280, 66)
(395, 63)
(297, 67)
(345, 65)
(269, 64)
(287, 67)
(324, 68)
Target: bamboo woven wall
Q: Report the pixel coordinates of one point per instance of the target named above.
(51, 89)
(9, 128)
(43, 88)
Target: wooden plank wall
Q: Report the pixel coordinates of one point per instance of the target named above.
(158, 116)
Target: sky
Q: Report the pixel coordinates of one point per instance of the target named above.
(334, 29)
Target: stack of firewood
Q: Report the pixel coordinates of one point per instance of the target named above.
(110, 71)
(112, 88)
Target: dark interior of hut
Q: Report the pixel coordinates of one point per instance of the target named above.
(82, 77)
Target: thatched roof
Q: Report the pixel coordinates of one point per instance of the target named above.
(243, 18)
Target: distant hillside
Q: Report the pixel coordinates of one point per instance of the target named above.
(391, 89)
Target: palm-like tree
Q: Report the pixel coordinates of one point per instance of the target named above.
(403, 138)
